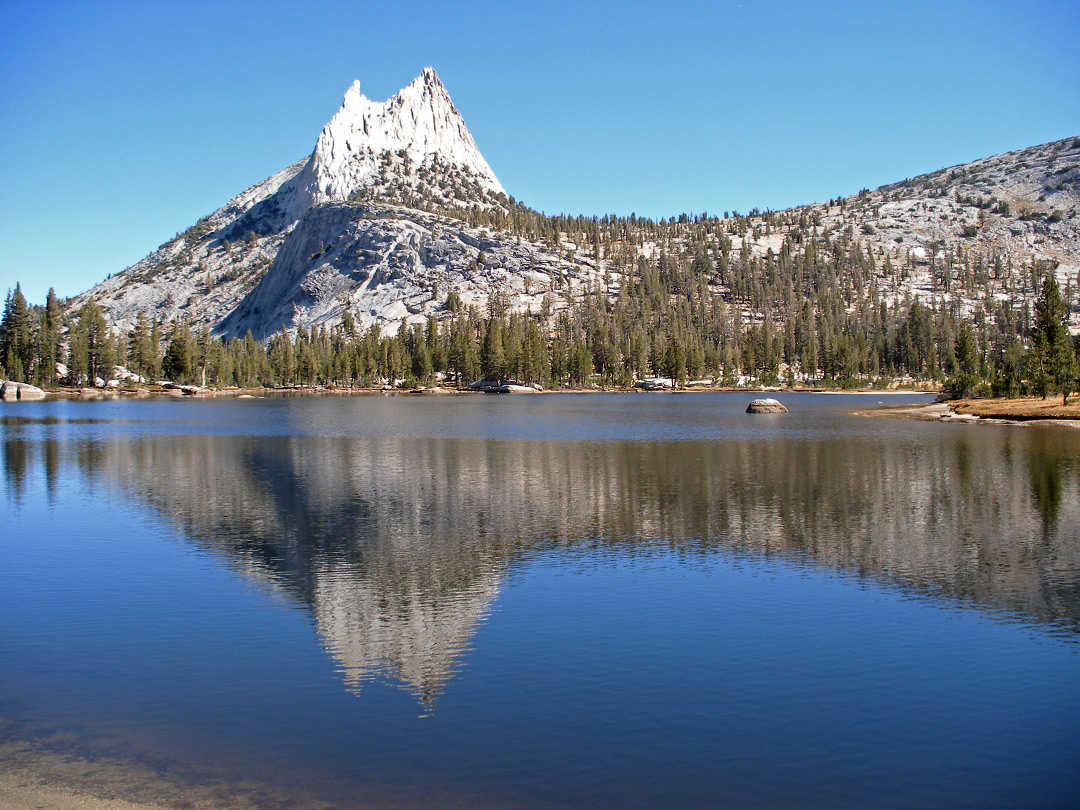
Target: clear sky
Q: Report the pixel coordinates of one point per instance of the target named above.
(121, 123)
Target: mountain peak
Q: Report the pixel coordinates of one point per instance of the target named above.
(428, 89)
(353, 92)
(419, 122)
(429, 77)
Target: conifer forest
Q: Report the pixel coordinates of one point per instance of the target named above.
(822, 311)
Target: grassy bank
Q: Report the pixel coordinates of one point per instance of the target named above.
(1022, 408)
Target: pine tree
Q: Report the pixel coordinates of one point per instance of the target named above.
(1051, 359)
(16, 345)
(1065, 365)
(177, 365)
(580, 363)
(492, 354)
(154, 358)
(140, 351)
(675, 362)
(78, 357)
(91, 347)
(49, 339)
(964, 381)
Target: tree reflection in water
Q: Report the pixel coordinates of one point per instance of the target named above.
(399, 545)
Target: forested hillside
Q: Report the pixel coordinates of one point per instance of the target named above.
(968, 274)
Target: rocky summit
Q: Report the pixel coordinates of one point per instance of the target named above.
(316, 239)
(396, 217)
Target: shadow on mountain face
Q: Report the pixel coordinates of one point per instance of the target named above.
(265, 218)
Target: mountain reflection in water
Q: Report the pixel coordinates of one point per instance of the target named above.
(398, 545)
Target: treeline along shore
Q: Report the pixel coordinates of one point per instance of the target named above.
(799, 319)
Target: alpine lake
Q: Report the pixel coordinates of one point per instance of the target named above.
(561, 600)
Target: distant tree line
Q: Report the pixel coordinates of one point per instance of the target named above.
(821, 309)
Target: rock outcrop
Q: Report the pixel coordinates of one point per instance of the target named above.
(16, 391)
(350, 228)
(420, 126)
(504, 386)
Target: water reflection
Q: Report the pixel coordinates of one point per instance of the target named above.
(1047, 466)
(16, 465)
(399, 545)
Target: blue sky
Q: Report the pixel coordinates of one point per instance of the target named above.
(122, 123)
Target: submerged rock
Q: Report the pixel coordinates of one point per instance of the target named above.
(767, 405)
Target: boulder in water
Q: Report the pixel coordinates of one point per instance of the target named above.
(767, 405)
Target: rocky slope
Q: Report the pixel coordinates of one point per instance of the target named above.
(387, 264)
(374, 221)
(1017, 207)
(336, 248)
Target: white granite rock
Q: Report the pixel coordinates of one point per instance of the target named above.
(766, 405)
(16, 391)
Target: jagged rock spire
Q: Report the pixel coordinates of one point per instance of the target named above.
(420, 122)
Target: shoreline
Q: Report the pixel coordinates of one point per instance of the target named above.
(58, 770)
(1027, 411)
(194, 392)
(54, 773)
(1020, 411)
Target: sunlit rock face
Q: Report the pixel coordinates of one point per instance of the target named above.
(419, 125)
(320, 237)
(386, 269)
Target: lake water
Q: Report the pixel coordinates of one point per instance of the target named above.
(558, 600)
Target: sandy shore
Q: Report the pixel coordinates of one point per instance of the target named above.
(64, 772)
(52, 776)
(934, 412)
